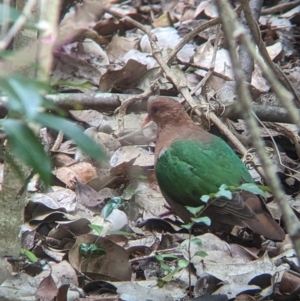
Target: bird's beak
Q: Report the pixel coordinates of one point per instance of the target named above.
(146, 121)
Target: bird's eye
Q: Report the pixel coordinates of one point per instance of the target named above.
(154, 109)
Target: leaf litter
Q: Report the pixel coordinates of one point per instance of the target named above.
(125, 255)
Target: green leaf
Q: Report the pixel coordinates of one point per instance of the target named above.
(111, 205)
(160, 283)
(142, 177)
(253, 188)
(205, 198)
(98, 229)
(187, 226)
(194, 210)
(223, 192)
(31, 256)
(159, 257)
(200, 253)
(165, 267)
(169, 277)
(84, 249)
(205, 220)
(23, 94)
(197, 241)
(91, 250)
(73, 131)
(184, 247)
(26, 146)
(182, 263)
(96, 251)
(223, 187)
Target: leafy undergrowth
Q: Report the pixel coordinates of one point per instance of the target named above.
(101, 231)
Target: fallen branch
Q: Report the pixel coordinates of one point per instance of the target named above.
(109, 102)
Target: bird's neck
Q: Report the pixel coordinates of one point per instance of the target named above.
(172, 131)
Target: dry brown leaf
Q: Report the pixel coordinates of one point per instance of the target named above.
(67, 229)
(72, 69)
(82, 171)
(290, 283)
(113, 265)
(47, 289)
(93, 118)
(89, 197)
(78, 21)
(168, 38)
(208, 8)
(122, 79)
(119, 46)
(142, 57)
(163, 21)
(149, 199)
(57, 199)
(203, 57)
(131, 291)
(61, 160)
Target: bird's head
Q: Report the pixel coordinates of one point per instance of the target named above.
(165, 110)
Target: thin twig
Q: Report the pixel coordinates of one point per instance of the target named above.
(121, 111)
(212, 64)
(194, 33)
(58, 141)
(232, 29)
(280, 7)
(285, 131)
(284, 96)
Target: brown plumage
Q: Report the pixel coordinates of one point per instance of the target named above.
(190, 162)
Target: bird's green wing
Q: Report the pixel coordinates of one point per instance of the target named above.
(187, 169)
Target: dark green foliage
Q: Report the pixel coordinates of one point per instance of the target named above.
(26, 107)
(26, 146)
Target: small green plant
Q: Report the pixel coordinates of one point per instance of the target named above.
(111, 205)
(92, 250)
(162, 259)
(31, 256)
(180, 263)
(226, 191)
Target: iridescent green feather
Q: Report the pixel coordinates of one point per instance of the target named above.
(190, 168)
